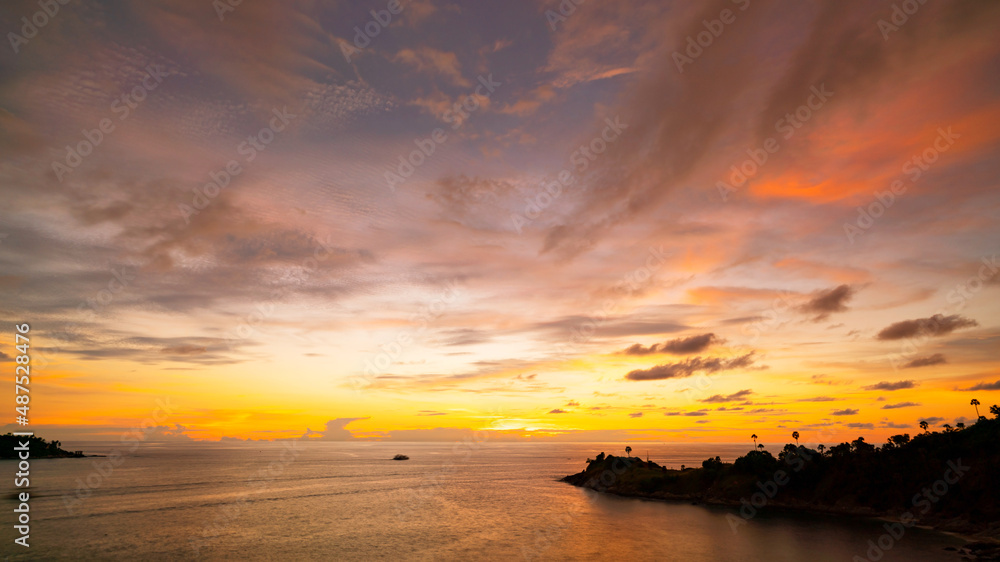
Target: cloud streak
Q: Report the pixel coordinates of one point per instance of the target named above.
(845, 412)
(736, 396)
(985, 386)
(886, 385)
(679, 346)
(691, 366)
(936, 359)
(937, 325)
(899, 405)
(827, 302)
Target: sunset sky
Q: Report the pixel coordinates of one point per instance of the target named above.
(587, 250)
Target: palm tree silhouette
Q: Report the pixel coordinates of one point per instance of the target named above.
(976, 404)
(754, 437)
(923, 425)
(795, 436)
(995, 410)
(628, 451)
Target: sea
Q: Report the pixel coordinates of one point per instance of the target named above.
(298, 500)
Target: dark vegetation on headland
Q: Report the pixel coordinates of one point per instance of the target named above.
(38, 448)
(948, 480)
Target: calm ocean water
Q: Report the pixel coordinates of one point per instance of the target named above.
(329, 501)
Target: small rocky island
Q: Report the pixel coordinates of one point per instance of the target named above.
(400, 458)
(38, 448)
(946, 480)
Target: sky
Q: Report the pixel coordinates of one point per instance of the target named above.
(528, 220)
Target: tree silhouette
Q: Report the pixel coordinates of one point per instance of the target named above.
(795, 436)
(628, 451)
(761, 446)
(960, 425)
(947, 427)
(860, 446)
(976, 404)
(995, 410)
(923, 425)
(900, 440)
(754, 437)
(821, 448)
(896, 441)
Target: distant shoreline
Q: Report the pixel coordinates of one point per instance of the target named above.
(36, 448)
(67, 455)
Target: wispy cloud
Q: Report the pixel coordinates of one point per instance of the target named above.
(937, 325)
(899, 405)
(886, 385)
(845, 412)
(734, 397)
(689, 367)
(427, 59)
(679, 346)
(985, 386)
(936, 359)
(827, 302)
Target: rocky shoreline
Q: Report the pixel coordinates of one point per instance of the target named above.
(37, 448)
(719, 484)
